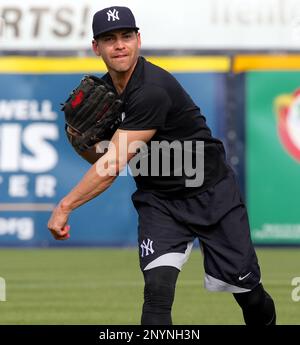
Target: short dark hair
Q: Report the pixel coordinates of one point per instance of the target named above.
(109, 32)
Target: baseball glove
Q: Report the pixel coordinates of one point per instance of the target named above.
(92, 113)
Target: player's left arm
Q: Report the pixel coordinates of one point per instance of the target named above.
(99, 177)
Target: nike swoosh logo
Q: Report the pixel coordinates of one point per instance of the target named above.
(242, 278)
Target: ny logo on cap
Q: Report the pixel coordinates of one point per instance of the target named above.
(112, 15)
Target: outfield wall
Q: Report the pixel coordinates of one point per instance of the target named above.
(251, 102)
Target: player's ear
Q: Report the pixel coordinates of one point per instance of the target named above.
(95, 47)
(139, 39)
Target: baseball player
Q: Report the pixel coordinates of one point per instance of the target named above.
(199, 200)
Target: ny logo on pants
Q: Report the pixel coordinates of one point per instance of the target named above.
(147, 248)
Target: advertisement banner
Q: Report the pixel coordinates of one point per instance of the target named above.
(273, 155)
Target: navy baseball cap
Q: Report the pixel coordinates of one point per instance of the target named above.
(113, 18)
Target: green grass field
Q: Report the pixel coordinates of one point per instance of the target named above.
(104, 286)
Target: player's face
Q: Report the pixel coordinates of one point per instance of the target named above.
(119, 49)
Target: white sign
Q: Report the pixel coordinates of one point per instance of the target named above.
(168, 24)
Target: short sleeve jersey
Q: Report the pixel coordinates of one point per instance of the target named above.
(154, 99)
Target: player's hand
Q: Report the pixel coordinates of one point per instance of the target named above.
(57, 223)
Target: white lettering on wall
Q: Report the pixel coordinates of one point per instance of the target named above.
(43, 156)
(23, 228)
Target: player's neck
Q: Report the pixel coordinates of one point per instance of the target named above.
(121, 79)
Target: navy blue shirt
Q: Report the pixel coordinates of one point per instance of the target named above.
(154, 99)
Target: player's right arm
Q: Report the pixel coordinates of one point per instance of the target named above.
(99, 177)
